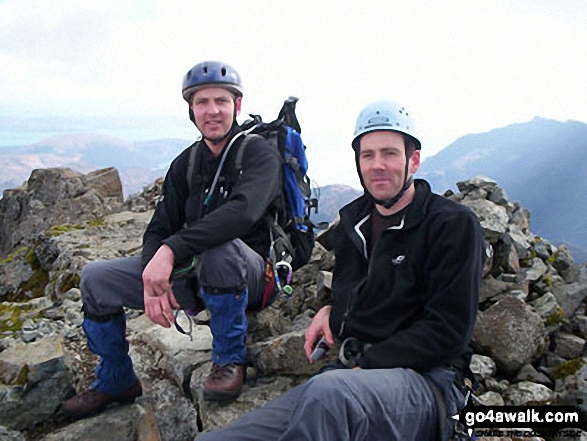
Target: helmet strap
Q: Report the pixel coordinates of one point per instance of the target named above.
(387, 204)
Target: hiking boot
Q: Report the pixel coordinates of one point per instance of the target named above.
(91, 402)
(224, 382)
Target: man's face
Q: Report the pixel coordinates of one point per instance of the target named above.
(382, 160)
(214, 110)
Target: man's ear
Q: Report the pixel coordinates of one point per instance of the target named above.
(414, 162)
(237, 105)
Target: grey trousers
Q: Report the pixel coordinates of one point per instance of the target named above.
(347, 404)
(108, 286)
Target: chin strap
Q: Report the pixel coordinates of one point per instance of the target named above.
(390, 202)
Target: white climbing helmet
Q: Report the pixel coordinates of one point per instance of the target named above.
(385, 115)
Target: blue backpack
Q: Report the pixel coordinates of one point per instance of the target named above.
(293, 234)
(292, 231)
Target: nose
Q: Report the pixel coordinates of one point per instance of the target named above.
(378, 162)
(214, 109)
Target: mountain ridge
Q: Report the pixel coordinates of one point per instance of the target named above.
(540, 163)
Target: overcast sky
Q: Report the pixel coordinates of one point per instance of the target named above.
(460, 66)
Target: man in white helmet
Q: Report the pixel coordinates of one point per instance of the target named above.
(405, 296)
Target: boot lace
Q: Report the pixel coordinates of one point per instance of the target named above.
(219, 372)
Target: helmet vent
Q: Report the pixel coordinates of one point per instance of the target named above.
(223, 72)
(205, 69)
(378, 120)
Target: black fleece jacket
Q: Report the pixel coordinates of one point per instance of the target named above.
(237, 207)
(416, 297)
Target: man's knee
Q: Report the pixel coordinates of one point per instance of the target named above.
(329, 387)
(91, 275)
(222, 268)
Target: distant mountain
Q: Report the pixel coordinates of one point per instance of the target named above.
(541, 163)
(332, 198)
(139, 163)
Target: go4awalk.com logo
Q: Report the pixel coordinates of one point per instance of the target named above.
(522, 421)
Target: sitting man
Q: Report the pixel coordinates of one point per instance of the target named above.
(405, 295)
(208, 215)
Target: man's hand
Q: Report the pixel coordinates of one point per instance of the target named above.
(319, 327)
(158, 296)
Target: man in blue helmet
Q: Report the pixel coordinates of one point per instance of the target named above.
(209, 217)
(405, 295)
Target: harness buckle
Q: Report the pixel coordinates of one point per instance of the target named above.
(351, 350)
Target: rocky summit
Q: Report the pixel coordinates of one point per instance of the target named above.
(529, 337)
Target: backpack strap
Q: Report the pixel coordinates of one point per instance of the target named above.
(191, 165)
(238, 162)
(223, 159)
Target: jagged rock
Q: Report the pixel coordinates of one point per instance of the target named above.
(491, 399)
(520, 240)
(551, 360)
(57, 196)
(169, 340)
(482, 366)
(117, 235)
(570, 296)
(529, 373)
(487, 185)
(269, 322)
(536, 270)
(215, 415)
(494, 289)
(568, 345)
(505, 259)
(581, 321)
(10, 435)
(493, 218)
(34, 381)
(571, 383)
(491, 287)
(21, 276)
(176, 416)
(284, 355)
(519, 216)
(551, 312)
(493, 385)
(526, 393)
(510, 333)
(179, 355)
(127, 423)
(542, 248)
(147, 199)
(562, 260)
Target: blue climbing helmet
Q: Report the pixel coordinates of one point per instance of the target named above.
(211, 73)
